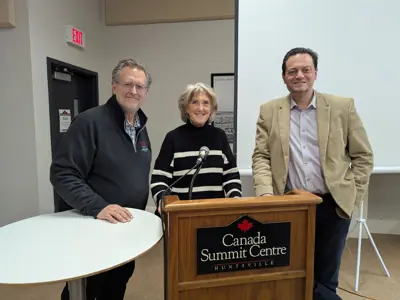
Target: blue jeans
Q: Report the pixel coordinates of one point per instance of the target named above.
(330, 238)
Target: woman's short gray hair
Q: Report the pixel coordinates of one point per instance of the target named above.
(193, 90)
(131, 63)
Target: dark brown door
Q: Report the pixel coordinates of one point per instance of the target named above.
(72, 90)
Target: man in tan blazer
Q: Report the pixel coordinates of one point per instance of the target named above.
(314, 142)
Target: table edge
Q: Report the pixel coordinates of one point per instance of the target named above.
(82, 276)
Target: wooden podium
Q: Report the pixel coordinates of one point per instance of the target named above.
(255, 248)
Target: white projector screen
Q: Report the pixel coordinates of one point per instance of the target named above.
(358, 46)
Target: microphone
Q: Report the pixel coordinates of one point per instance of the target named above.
(203, 153)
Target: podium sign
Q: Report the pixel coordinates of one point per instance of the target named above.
(243, 245)
(248, 248)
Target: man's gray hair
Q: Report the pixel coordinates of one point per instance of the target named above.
(131, 63)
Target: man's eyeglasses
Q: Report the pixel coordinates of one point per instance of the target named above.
(130, 86)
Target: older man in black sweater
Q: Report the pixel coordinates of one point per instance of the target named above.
(103, 164)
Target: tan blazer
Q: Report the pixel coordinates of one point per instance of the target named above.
(345, 153)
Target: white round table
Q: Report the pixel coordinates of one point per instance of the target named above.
(68, 246)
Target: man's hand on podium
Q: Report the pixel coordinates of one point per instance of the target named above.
(114, 214)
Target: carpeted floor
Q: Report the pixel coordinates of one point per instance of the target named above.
(146, 283)
(373, 282)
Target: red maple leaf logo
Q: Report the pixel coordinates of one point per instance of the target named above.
(245, 225)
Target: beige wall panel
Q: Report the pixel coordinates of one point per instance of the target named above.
(7, 14)
(123, 12)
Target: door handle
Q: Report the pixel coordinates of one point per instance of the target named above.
(76, 107)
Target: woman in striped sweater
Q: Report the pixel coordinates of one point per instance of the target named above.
(219, 176)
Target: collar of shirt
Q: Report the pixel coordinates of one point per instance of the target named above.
(313, 103)
(135, 125)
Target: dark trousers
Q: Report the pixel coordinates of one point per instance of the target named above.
(109, 285)
(330, 238)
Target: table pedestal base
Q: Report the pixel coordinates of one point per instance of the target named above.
(77, 289)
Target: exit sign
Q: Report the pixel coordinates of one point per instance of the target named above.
(75, 37)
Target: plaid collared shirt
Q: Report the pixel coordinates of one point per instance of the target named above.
(131, 129)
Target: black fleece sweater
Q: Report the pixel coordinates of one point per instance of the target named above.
(219, 176)
(96, 164)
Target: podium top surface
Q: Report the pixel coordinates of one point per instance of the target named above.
(291, 199)
(67, 245)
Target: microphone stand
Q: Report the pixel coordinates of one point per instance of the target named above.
(193, 179)
(161, 205)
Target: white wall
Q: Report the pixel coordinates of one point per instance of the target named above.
(265, 36)
(181, 53)
(263, 41)
(384, 204)
(18, 177)
(176, 55)
(25, 155)
(47, 37)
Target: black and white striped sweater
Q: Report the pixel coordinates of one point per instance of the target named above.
(219, 176)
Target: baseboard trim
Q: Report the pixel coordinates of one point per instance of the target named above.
(384, 226)
(375, 226)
